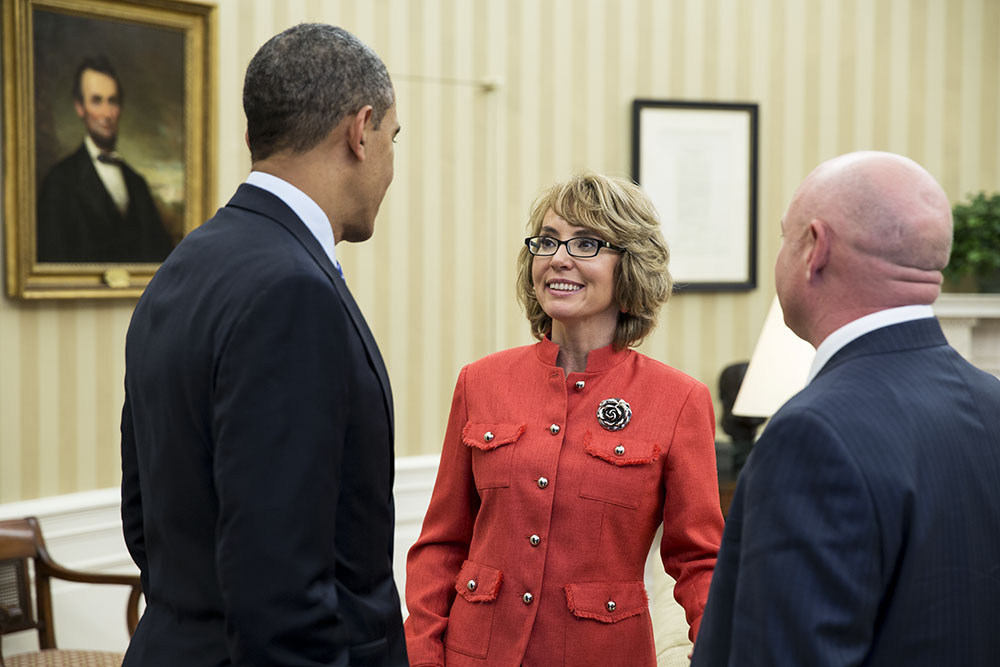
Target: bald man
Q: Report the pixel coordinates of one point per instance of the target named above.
(865, 528)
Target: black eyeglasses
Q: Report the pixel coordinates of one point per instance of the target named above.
(578, 246)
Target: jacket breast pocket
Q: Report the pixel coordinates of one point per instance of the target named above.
(470, 622)
(492, 451)
(610, 620)
(619, 471)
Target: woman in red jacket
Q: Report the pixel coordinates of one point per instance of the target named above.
(562, 458)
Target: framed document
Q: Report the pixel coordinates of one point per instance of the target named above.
(698, 163)
(108, 142)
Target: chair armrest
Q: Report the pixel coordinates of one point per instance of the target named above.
(52, 569)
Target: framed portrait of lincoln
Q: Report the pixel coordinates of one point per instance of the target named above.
(108, 157)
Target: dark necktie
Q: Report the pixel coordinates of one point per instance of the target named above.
(108, 158)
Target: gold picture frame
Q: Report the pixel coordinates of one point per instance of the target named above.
(161, 82)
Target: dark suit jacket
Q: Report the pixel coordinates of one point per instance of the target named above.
(257, 455)
(865, 528)
(79, 222)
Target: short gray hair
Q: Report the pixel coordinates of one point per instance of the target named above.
(304, 81)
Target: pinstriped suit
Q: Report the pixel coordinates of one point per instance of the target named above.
(865, 529)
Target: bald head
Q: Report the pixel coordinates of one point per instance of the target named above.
(886, 206)
(866, 231)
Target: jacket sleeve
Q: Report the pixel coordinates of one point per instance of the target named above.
(132, 522)
(692, 516)
(435, 559)
(280, 402)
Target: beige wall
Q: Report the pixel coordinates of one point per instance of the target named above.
(498, 99)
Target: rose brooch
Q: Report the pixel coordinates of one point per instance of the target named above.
(614, 414)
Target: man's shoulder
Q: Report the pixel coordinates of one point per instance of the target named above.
(238, 255)
(873, 400)
(909, 359)
(848, 391)
(247, 243)
(68, 166)
(234, 230)
(834, 403)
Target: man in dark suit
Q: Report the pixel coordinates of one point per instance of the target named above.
(257, 431)
(92, 207)
(865, 528)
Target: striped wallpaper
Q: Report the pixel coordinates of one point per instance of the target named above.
(497, 99)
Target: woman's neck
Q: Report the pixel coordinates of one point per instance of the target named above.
(576, 343)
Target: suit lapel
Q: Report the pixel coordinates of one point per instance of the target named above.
(257, 200)
(366, 336)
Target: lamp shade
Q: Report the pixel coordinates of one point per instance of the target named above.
(778, 368)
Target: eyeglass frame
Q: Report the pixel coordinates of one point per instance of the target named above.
(600, 244)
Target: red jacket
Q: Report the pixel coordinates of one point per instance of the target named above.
(533, 546)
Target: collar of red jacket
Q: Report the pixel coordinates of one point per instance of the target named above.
(598, 360)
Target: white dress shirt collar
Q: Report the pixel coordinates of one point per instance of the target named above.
(861, 326)
(303, 206)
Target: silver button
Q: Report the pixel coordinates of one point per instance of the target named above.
(488, 436)
(543, 482)
(610, 606)
(472, 585)
(528, 598)
(619, 450)
(580, 384)
(554, 429)
(535, 540)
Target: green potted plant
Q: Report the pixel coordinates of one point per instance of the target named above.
(975, 251)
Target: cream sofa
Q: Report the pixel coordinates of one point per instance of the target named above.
(670, 628)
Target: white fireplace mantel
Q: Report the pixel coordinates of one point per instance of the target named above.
(971, 323)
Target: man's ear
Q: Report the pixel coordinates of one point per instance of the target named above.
(356, 131)
(78, 105)
(819, 252)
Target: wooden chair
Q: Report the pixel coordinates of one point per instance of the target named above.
(21, 541)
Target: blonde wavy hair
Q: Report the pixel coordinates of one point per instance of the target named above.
(617, 211)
